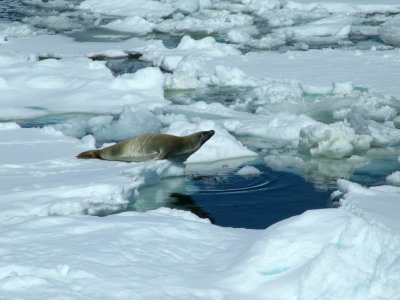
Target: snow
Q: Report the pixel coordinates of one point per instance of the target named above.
(62, 46)
(131, 252)
(341, 6)
(248, 171)
(72, 84)
(221, 146)
(390, 32)
(321, 68)
(133, 24)
(141, 8)
(41, 176)
(309, 87)
(394, 178)
(336, 140)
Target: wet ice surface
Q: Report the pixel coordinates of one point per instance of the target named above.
(304, 99)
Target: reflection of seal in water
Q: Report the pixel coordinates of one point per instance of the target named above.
(152, 146)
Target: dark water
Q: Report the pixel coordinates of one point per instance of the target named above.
(258, 201)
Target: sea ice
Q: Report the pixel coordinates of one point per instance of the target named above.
(394, 178)
(344, 246)
(336, 141)
(134, 24)
(390, 32)
(51, 181)
(141, 8)
(57, 46)
(248, 171)
(51, 86)
(314, 112)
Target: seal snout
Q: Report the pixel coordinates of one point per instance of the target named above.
(206, 135)
(209, 133)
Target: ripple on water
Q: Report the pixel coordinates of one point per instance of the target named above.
(231, 200)
(255, 201)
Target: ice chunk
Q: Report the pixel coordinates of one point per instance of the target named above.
(394, 178)
(75, 85)
(63, 46)
(208, 21)
(238, 37)
(248, 171)
(225, 76)
(390, 32)
(57, 23)
(187, 6)
(16, 29)
(337, 140)
(134, 24)
(130, 124)
(209, 43)
(142, 8)
(343, 88)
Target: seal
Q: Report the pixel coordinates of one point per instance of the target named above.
(152, 147)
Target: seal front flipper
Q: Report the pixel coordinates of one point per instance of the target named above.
(89, 154)
(161, 155)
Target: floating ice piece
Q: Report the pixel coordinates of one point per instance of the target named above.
(63, 46)
(208, 43)
(57, 23)
(248, 171)
(394, 178)
(239, 37)
(343, 88)
(354, 6)
(337, 140)
(374, 71)
(383, 134)
(188, 54)
(336, 28)
(389, 32)
(225, 76)
(105, 129)
(16, 29)
(209, 21)
(134, 24)
(277, 127)
(75, 85)
(142, 8)
(188, 6)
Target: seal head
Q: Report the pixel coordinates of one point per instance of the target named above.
(206, 135)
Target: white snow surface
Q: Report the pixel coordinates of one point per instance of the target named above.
(321, 68)
(62, 46)
(73, 85)
(171, 254)
(65, 230)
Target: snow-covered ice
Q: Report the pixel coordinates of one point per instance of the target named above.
(170, 254)
(306, 86)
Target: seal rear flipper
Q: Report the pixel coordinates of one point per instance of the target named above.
(89, 154)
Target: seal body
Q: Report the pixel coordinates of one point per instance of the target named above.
(152, 147)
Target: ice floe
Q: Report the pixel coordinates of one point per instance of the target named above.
(343, 246)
